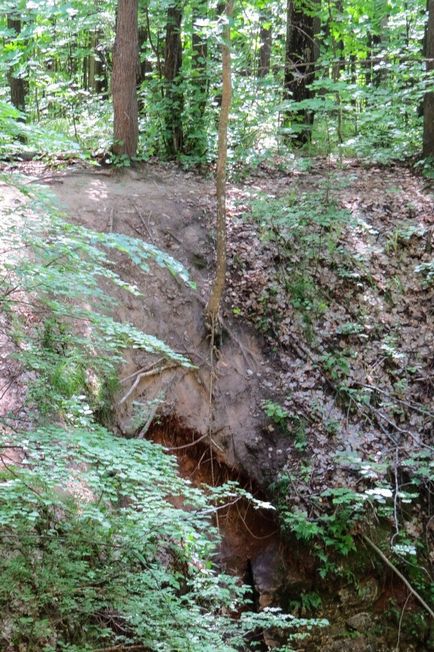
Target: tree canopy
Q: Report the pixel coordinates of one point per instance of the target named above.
(350, 76)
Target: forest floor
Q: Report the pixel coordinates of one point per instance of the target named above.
(325, 373)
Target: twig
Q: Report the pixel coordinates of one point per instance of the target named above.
(121, 648)
(254, 536)
(398, 429)
(145, 226)
(142, 369)
(397, 572)
(198, 465)
(192, 443)
(400, 622)
(153, 405)
(396, 493)
(110, 222)
(391, 423)
(213, 510)
(134, 228)
(409, 404)
(147, 374)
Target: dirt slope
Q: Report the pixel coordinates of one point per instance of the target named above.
(174, 211)
(368, 329)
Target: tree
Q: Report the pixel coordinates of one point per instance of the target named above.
(124, 79)
(213, 306)
(300, 55)
(95, 69)
(428, 106)
(172, 70)
(266, 40)
(17, 84)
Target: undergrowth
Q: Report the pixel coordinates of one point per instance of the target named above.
(92, 551)
(386, 496)
(305, 230)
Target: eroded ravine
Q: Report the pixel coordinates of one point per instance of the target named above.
(251, 546)
(174, 212)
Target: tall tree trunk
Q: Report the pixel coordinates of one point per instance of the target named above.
(336, 43)
(379, 41)
(369, 63)
(124, 90)
(428, 104)
(17, 85)
(145, 66)
(91, 62)
(213, 306)
(101, 68)
(172, 70)
(95, 65)
(266, 40)
(220, 14)
(300, 55)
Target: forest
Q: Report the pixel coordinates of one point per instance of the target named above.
(216, 325)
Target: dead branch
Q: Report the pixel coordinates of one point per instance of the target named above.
(397, 572)
(147, 374)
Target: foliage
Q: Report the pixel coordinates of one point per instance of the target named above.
(275, 412)
(93, 551)
(61, 267)
(291, 425)
(306, 229)
(366, 93)
(331, 520)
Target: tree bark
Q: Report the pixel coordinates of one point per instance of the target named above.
(300, 55)
(172, 70)
(379, 41)
(91, 63)
(145, 66)
(214, 302)
(101, 65)
(428, 104)
(17, 85)
(124, 79)
(266, 40)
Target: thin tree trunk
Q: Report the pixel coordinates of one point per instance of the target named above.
(200, 51)
(17, 85)
(145, 65)
(91, 67)
(368, 65)
(214, 302)
(220, 13)
(124, 79)
(428, 104)
(172, 70)
(378, 42)
(266, 40)
(101, 65)
(300, 55)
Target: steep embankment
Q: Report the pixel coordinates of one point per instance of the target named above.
(323, 403)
